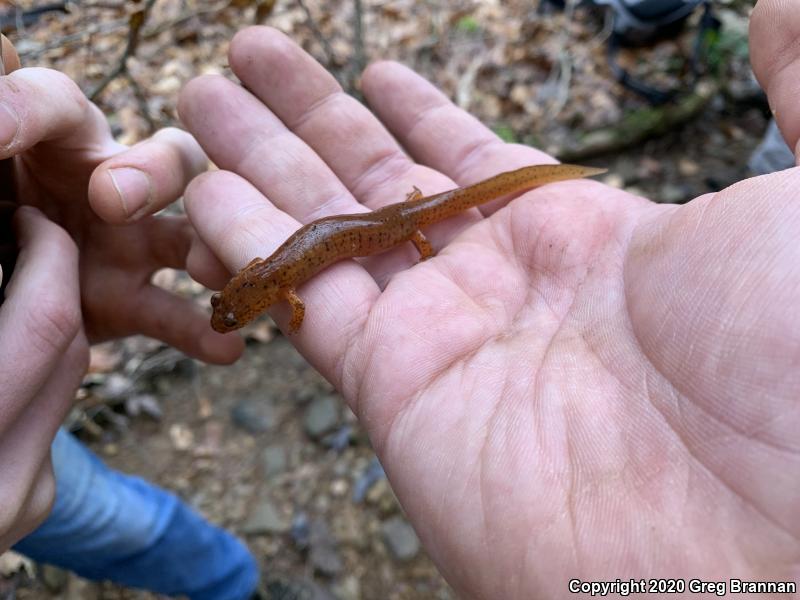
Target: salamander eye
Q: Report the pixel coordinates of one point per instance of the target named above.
(215, 299)
(230, 320)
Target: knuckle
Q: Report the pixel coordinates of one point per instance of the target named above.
(54, 324)
(75, 104)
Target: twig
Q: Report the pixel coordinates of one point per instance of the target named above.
(137, 19)
(72, 38)
(359, 56)
(142, 101)
(330, 55)
(161, 28)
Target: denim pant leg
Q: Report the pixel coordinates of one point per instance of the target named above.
(107, 525)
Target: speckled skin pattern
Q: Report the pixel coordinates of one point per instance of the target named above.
(325, 241)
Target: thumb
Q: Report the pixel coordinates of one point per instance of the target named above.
(10, 60)
(775, 56)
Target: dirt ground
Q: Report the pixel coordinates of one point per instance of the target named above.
(266, 447)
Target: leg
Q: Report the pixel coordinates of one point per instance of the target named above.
(252, 262)
(414, 194)
(108, 525)
(422, 245)
(298, 309)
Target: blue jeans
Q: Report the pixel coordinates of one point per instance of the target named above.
(107, 525)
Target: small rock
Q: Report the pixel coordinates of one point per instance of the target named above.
(321, 416)
(339, 439)
(265, 519)
(324, 555)
(301, 530)
(273, 459)
(338, 488)
(687, 167)
(114, 387)
(400, 539)
(349, 588)
(11, 562)
(298, 589)
(182, 436)
(382, 496)
(371, 475)
(671, 194)
(255, 415)
(143, 404)
(54, 579)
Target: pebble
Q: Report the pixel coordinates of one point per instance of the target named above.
(368, 478)
(321, 416)
(349, 588)
(55, 579)
(301, 530)
(324, 555)
(400, 538)
(273, 459)
(265, 519)
(255, 415)
(339, 439)
(297, 589)
(382, 496)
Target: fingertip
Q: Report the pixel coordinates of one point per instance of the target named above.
(10, 56)
(220, 348)
(195, 93)
(147, 177)
(117, 193)
(204, 267)
(258, 42)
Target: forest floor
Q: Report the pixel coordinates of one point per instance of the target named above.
(266, 447)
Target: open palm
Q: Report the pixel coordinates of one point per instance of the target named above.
(581, 384)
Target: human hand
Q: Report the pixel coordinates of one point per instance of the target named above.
(63, 161)
(581, 384)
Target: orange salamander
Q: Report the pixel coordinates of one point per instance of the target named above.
(325, 241)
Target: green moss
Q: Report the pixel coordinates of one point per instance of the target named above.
(468, 24)
(505, 133)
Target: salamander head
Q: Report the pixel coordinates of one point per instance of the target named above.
(242, 301)
(223, 318)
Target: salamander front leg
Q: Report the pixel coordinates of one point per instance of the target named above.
(252, 262)
(298, 309)
(422, 245)
(414, 194)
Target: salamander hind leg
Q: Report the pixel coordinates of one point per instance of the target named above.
(298, 309)
(414, 194)
(422, 245)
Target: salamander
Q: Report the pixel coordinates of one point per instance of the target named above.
(325, 241)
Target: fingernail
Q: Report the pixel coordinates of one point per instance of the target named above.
(134, 189)
(9, 124)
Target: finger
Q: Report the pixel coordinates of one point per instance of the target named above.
(10, 57)
(438, 133)
(147, 177)
(338, 299)
(204, 266)
(25, 446)
(39, 105)
(242, 135)
(775, 55)
(341, 131)
(181, 323)
(41, 314)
